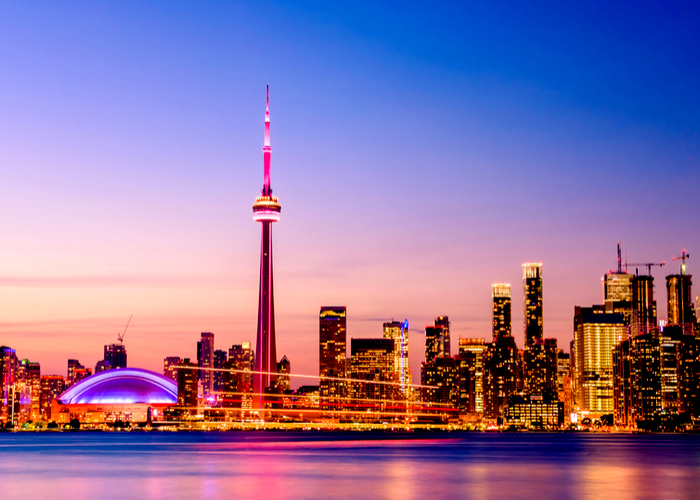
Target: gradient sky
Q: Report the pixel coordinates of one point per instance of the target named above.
(421, 152)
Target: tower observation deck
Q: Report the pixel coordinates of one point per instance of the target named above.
(266, 210)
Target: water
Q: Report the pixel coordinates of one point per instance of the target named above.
(298, 465)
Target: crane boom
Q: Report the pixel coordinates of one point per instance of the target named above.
(648, 265)
(120, 337)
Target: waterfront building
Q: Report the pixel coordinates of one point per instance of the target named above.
(622, 384)
(541, 367)
(564, 387)
(266, 210)
(170, 365)
(680, 303)
(76, 372)
(284, 368)
(9, 405)
(398, 332)
(372, 361)
(644, 318)
(533, 324)
(238, 380)
(501, 295)
(187, 381)
(539, 411)
(205, 361)
(645, 374)
(127, 395)
(30, 382)
(618, 294)
(332, 354)
(220, 359)
(444, 323)
(477, 348)
(689, 375)
(443, 377)
(115, 356)
(669, 339)
(501, 375)
(595, 333)
(51, 387)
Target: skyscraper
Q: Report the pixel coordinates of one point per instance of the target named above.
(444, 323)
(205, 361)
(115, 356)
(170, 365)
(680, 302)
(500, 292)
(398, 332)
(643, 305)
(332, 355)
(372, 361)
(477, 348)
(596, 332)
(618, 294)
(532, 304)
(266, 210)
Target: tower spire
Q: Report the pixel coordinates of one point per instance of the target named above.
(267, 150)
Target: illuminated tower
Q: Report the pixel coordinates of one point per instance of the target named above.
(266, 210)
(501, 310)
(332, 355)
(532, 303)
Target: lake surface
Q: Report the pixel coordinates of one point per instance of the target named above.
(304, 465)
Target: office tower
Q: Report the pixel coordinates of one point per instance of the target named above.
(501, 374)
(398, 332)
(115, 356)
(532, 304)
(500, 293)
(220, 358)
(622, 384)
(76, 372)
(645, 374)
(443, 378)
(643, 305)
(238, 381)
(372, 361)
(170, 365)
(8, 378)
(433, 346)
(205, 361)
(541, 367)
(596, 332)
(689, 375)
(618, 294)
(31, 381)
(332, 355)
(680, 303)
(187, 378)
(530, 411)
(669, 339)
(266, 210)
(477, 348)
(564, 387)
(284, 368)
(444, 323)
(51, 387)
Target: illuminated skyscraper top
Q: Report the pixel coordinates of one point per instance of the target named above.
(532, 303)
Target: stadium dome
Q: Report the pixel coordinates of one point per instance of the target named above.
(122, 386)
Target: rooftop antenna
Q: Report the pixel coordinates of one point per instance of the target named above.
(120, 337)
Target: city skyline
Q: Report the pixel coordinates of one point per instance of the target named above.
(170, 241)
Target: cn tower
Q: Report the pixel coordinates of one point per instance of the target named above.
(266, 210)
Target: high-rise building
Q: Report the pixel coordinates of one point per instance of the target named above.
(477, 348)
(501, 375)
(115, 356)
(622, 384)
(372, 362)
(284, 368)
(9, 404)
(187, 378)
(680, 303)
(564, 386)
(500, 292)
(170, 365)
(266, 210)
(645, 374)
(220, 358)
(433, 343)
(51, 387)
(643, 305)
(332, 354)
(618, 294)
(532, 304)
(205, 361)
(689, 375)
(31, 381)
(444, 323)
(441, 380)
(238, 381)
(398, 332)
(76, 372)
(596, 332)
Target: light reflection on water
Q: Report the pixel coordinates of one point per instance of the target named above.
(348, 465)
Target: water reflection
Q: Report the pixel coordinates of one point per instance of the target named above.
(345, 466)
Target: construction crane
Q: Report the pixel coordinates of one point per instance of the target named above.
(684, 255)
(648, 265)
(120, 336)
